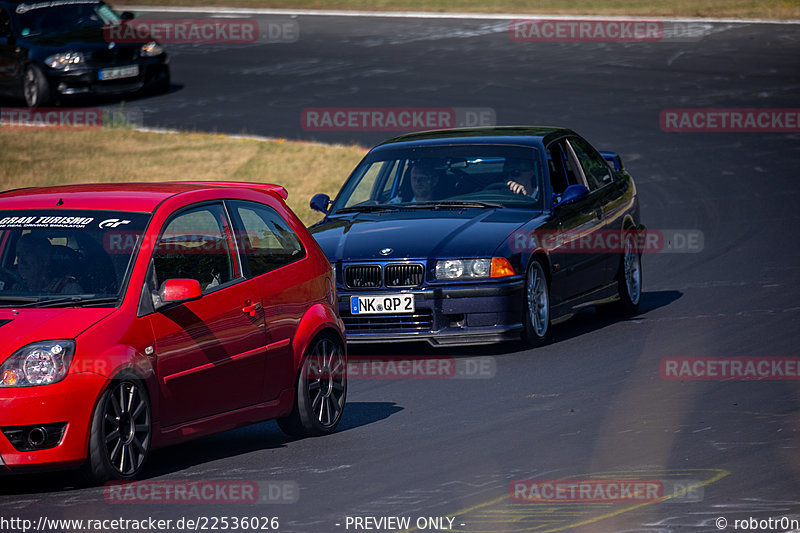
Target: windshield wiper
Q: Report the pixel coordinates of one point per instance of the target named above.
(460, 203)
(18, 299)
(69, 301)
(369, 208)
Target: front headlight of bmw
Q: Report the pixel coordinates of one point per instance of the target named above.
(65, 61)
(463, 268)
(151, 49)
(40, 363)
(496, 267)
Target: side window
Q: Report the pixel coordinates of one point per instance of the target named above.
(196, 244)
(559, 163)
(266, 239)
(391, 183)
(364, 189)
(594, 166)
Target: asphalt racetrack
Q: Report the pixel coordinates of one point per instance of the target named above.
(596, 404)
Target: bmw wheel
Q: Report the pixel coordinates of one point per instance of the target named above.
(321, 390)
(536, 319)
(35, 88)
(121, 432)
(629, 277)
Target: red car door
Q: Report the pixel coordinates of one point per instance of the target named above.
(271, 255)
(211, 352)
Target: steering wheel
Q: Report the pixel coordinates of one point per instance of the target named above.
(497, 186)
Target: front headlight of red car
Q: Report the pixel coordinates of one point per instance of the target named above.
(40, 363)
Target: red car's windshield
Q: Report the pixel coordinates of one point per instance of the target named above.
(46, 255)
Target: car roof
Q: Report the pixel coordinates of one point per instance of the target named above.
(519, 135)
(139, 197)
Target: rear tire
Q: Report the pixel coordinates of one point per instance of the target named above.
(321, 390)
(121, 432)
(35, 89)
(536, 312)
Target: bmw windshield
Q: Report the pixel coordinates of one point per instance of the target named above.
(60, 16)
(71, 257)
(445, 176)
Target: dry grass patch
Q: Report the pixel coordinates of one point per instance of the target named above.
(33, 158)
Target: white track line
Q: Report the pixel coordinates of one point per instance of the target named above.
(424, 15)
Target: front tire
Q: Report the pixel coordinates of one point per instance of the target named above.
(121, 432)
(320, 392)
(35, 88)
(629, 278)
(536, 314)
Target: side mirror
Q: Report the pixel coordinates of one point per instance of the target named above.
(175, 291)
(614, 159)
(320, 202)
(126, 16)
(572, 194)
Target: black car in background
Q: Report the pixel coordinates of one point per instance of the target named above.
(475, 236)
(61, 48)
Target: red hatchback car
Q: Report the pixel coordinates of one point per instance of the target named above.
(133, 316)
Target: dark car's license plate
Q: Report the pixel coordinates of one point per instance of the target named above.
(116, 73)
(383, 304)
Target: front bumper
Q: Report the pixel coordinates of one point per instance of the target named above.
(152, 73)
(71, 400)
(457, 314)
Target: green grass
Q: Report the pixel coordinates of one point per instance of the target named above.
(35, 157)
(772, 9)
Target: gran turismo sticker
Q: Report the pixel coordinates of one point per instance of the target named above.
(45, 222)
(113, 223)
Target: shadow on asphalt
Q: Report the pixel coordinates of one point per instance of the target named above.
(586, 321)
(165, 461)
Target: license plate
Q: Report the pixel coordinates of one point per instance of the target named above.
(116, 73)
(382, 305)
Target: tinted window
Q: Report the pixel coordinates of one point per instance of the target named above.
(42, 18)
(562, 174)
(196, 244)
(44, 253)
(426, 177)
(594, 166)
(266, 239)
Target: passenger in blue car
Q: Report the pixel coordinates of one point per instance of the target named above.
(522, 176)
(424, 178)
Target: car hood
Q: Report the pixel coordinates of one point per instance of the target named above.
(89, 39)
(24, 326)
(418, 234)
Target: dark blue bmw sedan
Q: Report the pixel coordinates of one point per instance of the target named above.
(475, 236)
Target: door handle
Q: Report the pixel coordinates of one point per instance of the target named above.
(251, 308)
